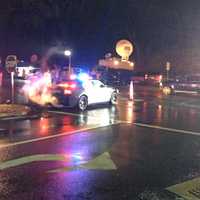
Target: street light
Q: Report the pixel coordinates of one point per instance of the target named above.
(116, 62)
(168, 67)
(68, 53)
(132, 64)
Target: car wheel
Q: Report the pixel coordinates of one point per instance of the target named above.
(83, 103)
(34, 107)
(113, 99)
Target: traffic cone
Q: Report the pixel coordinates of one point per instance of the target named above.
(131, 91)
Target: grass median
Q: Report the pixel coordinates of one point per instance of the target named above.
(9, 110)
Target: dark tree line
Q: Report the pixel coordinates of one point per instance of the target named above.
(161, 30)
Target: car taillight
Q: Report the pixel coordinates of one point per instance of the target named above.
(63, 85)
(67, 92)
(70, 85)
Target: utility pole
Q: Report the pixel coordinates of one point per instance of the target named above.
(168, 68)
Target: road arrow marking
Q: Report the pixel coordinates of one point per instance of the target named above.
(189, 190)
(30, 159)
(101, 162)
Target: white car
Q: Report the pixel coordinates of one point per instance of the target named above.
(81, 94)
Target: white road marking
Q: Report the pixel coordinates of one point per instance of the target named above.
(95, 127)
(138, 100)
(11, 118)
(50, 137)
(18, 117)
(128, 99)
(186, 92)
(80, 115)
(167, 129)
(65, 113)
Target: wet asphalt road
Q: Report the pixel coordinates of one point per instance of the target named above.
(134, 150)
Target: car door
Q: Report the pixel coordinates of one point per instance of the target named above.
(103, 93)
(89, 91)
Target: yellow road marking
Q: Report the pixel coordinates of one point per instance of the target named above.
(189, 190)
(31, 158)
(101, 162)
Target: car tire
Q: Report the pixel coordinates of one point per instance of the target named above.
(113, 99)
(34, 107)
(82, 103)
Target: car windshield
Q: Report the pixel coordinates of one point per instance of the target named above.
(100, 100)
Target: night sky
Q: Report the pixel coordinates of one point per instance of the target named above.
(161, 30)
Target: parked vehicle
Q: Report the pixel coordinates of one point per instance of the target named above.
(81, 94)
(73, 91)
(182, 84)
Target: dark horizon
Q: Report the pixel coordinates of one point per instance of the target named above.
(161, 31)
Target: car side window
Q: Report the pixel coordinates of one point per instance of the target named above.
(87, 84)
(97, 83)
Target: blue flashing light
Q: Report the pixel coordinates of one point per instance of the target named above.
(83, 77)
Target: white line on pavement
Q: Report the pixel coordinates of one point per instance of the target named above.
(65, 113)
(127, 99)
(80, 115)
(18, 117)
(167, 129)
(186, 92)
(11, 118)
(52, 136)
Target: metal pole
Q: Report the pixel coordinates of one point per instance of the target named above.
(168, 66)
(12, 87)
(70, 64)
(167, 75)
